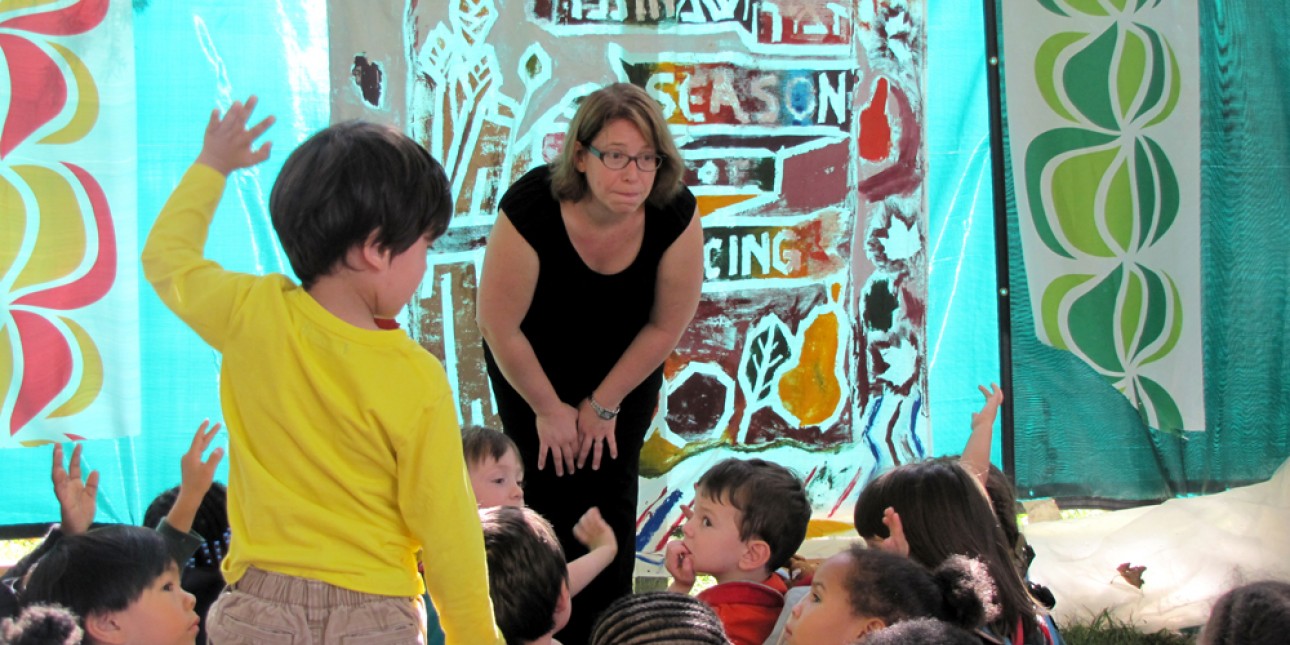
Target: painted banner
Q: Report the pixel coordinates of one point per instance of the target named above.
(1104, 118)
(69, 348)
(801, 128)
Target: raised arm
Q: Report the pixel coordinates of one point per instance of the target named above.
(197, 289)
(198, 475)
(595, 534)
(505, 292)
(676, 297)
(976, 454)
(77, 500)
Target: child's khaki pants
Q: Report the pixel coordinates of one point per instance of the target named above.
(266, 607)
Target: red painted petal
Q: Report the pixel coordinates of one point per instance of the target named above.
(76, 19)
(37, 90)
(96, 282)
(47, 366)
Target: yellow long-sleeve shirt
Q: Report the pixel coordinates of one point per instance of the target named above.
(344, 450)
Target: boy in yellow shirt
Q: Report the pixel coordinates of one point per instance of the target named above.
(344, 449)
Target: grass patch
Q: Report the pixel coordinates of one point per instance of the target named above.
(1105, 629)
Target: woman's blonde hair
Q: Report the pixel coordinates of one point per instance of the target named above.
(609, 103)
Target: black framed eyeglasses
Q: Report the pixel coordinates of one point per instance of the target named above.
(614, 160)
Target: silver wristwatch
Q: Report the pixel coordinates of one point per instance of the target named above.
(602, 412)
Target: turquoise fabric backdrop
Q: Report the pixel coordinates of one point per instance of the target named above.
(193, 56)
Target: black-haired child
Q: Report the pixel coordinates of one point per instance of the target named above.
(200, 575)
(860, 591)
(77, 495)
(1257, 613)
(343, 433)
(123, 584)
(933, 509)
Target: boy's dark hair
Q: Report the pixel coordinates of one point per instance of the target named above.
(526, 571)
(770, 498)
(100, 571)
(944, 513)
(894, 588)
(922, 631)
(352, 181)
(658, 617)
(1254, 614)
(41, 625)
(478, 442)
(210, 522)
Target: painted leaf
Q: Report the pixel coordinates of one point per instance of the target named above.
(1160, 72)
(1158, 409)
(1046, 79)
(1048, 148)
(1086, 79)
(765, 353)
(1054, 295)
(1091, 322)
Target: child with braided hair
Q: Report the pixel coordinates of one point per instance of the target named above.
(658, 617)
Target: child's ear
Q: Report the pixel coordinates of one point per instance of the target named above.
(104, 628)
(372, 255)
(563, 607)
(756, 555)
(869, 625)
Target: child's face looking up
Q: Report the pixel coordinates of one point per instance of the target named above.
(163, 615)
(712, 537)
(825, 616)
(498, 482)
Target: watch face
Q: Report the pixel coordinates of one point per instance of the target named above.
(605, 414)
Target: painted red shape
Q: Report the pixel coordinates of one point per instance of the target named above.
(37, 91)
(818, 178)
(845, 493)
(47, 366)
(875, 130)
(903, 176)
(74, 19)
(96, 282)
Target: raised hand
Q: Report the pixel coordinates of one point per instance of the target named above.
(77, 500)
(594, 532)
(228, 143)
(197, 476)
(976, 454)
(895, 542)
(990, 409)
